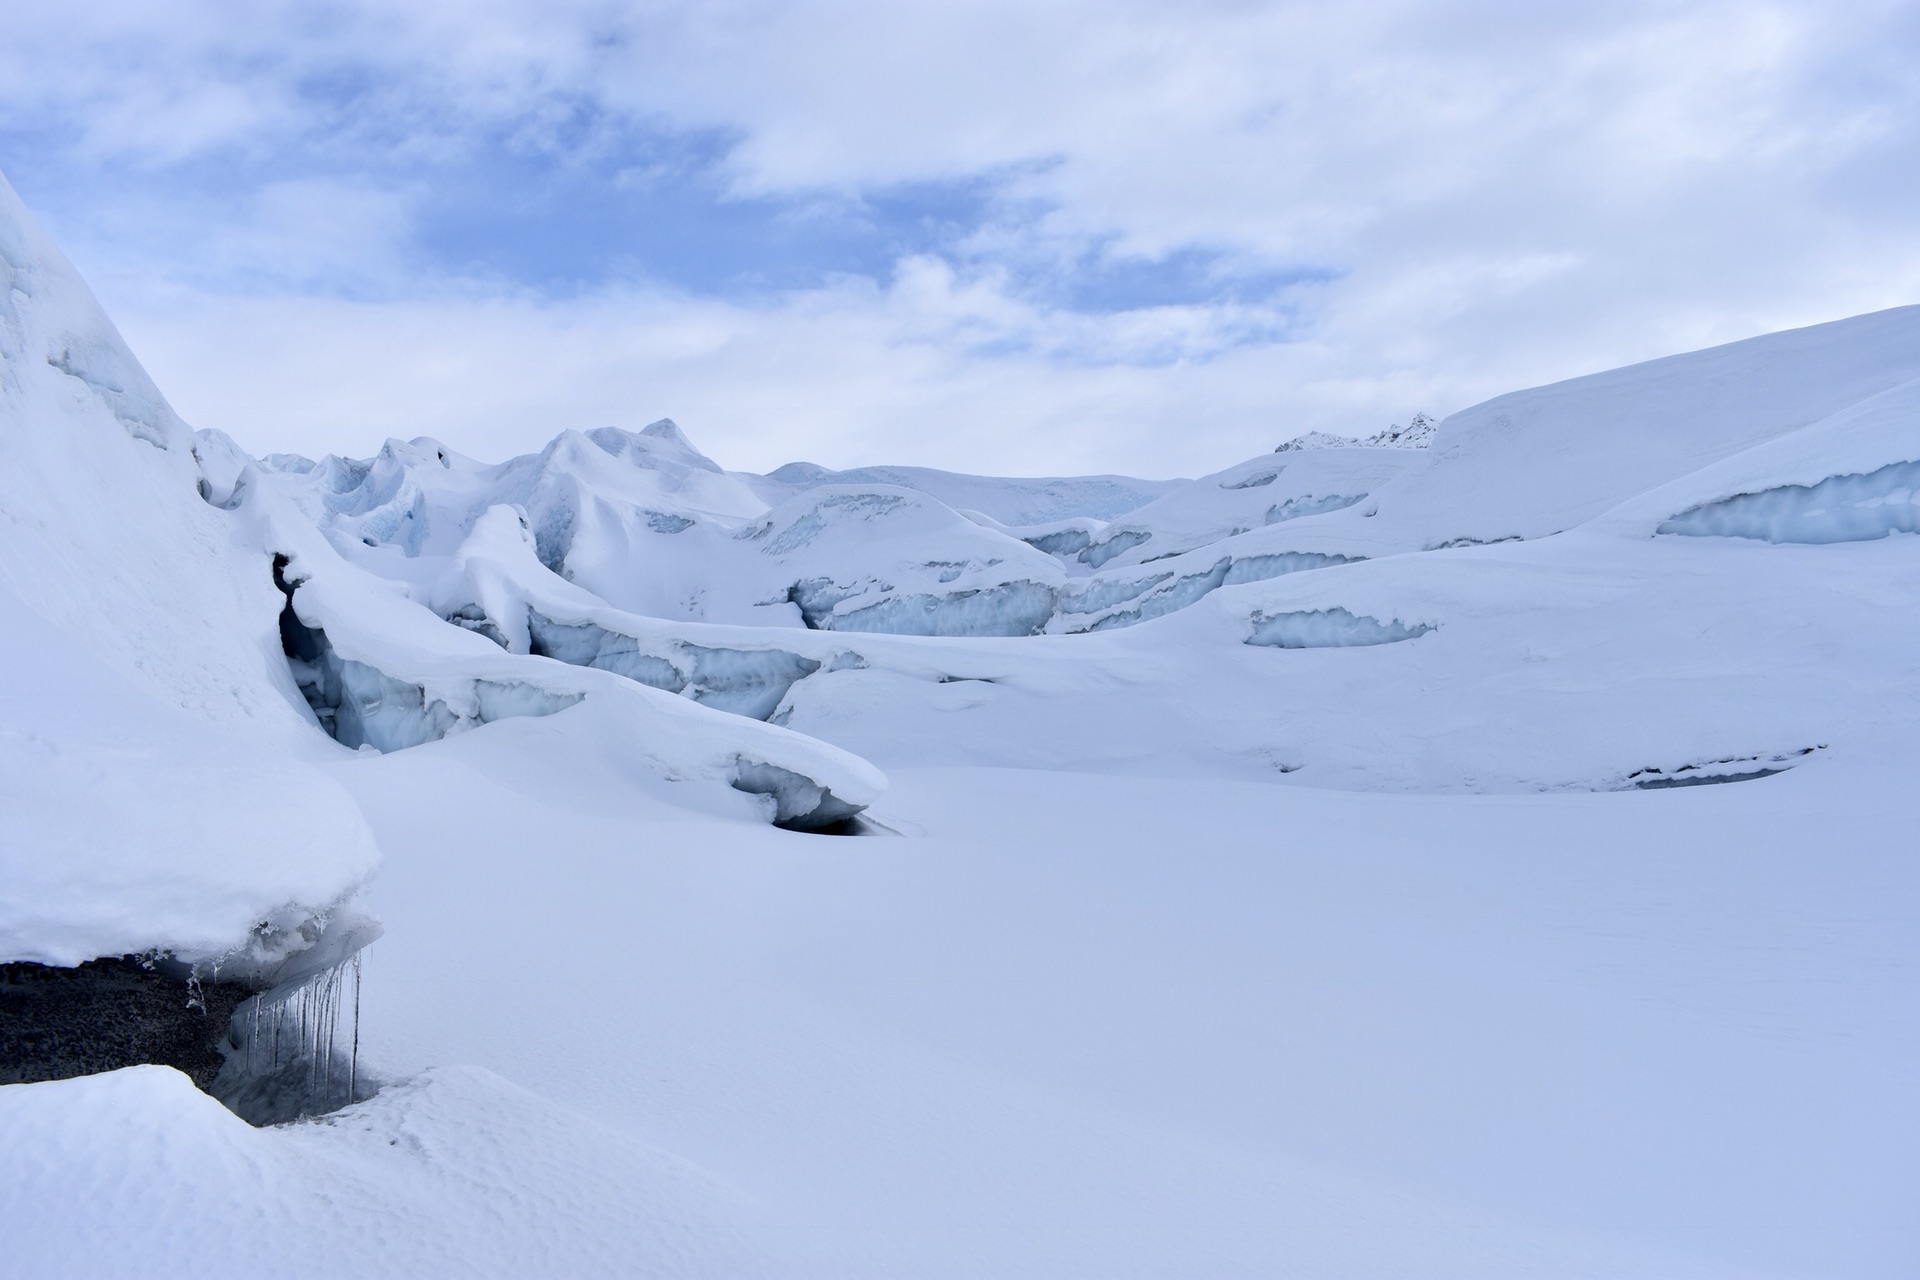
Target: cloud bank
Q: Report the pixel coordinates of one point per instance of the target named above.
(1013, 237)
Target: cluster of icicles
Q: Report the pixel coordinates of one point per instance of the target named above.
(293, 1060)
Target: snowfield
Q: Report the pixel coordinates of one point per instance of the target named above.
(1480, 851)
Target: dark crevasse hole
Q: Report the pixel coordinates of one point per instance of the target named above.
(1712, 772)
(854, 826)
(56, 1023)
(1702, 780)
(800, 803)
(268, 1056)
(298, 641)
(815, 598)
(310, 656)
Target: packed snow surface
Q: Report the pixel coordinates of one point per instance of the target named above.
(1477, 851)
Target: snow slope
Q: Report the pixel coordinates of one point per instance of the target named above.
(1479, 859)
(156, 762)
(455, 1172)
(1009, 501)
(1093, 1025)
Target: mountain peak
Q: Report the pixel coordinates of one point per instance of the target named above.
(659, 441)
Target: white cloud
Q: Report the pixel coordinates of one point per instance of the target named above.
(1495, 193)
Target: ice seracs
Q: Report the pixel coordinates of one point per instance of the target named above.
(1509, 521)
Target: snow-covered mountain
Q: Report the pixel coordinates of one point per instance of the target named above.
(1309, 868)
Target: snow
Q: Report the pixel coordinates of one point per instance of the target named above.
(1083, 1024)
(1849, 477)
(1850, 508)
(1481, 858)
(1327, 628)
(1007, 501)
(159, 771)
(455, 1172)
(1417, 434)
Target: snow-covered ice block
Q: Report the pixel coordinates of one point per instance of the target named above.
(1843, 508)
(1020, 608)
(1328, 629)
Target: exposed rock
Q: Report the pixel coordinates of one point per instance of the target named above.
(106, 1014)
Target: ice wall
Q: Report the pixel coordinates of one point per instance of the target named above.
(1841, 508)
(1328, 629)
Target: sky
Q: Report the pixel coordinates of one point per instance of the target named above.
(1052, 236)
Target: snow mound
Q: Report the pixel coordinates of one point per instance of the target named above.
(454, 1172)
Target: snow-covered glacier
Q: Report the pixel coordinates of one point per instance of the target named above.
(1477, 850)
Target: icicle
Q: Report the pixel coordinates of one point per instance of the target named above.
(292, 1037)
(353, 1062)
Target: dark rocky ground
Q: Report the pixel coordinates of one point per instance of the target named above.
(106, 1014)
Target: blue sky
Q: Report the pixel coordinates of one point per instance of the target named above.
(1034, 237)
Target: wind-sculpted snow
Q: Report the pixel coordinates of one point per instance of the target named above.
(495, 586)
(800, 532)
(380, 669)
(403, 678)
(1328, 629)
(157, 772)
(1848, 508)
(455, 1171)
(49, 318)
